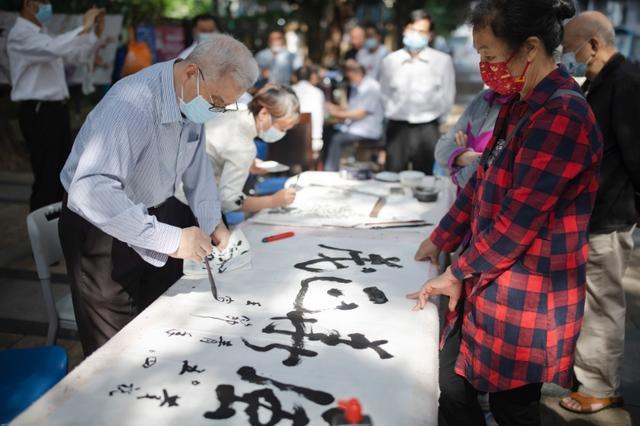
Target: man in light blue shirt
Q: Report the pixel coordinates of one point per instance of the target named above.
(276, 62)
(362, 119)
(121, 231)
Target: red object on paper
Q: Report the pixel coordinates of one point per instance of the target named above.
(278, 237)
(352, 410)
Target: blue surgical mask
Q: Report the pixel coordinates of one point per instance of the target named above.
(45, 12)
(197, 110)
(575, 68)
(272, 134)
(371, 43)
(414, 41)
(202, 37)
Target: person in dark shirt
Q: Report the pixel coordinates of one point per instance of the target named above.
(612, 89)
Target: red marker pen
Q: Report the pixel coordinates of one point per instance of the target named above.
(278, 237)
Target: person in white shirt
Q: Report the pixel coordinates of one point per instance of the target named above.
(418, 87)
(311, 100)
(230, 145)
(362, 118)
(38, 84)
(203, 26)
(276, 62)
(373, 51)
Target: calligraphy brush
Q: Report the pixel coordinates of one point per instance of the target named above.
(214, 289)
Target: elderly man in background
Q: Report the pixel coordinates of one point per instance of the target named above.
(118, 227)
(373, 51)
(612, 89)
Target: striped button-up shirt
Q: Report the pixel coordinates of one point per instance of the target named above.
(131, 153)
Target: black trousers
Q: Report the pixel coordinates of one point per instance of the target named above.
(46, 129)
(413, 144)
(110, 283)
(458, 404)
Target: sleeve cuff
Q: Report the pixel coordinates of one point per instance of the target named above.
(168, 238)
(454, 155)
(457, 271)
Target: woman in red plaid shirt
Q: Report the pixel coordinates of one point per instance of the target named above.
(516, 292)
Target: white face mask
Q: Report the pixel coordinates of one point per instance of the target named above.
(272, 134)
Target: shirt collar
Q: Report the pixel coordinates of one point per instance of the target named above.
(423, 55)
(170, 106)
(492, 97)
(547, 87)
(613, 63)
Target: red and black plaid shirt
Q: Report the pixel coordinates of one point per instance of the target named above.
(528, 209)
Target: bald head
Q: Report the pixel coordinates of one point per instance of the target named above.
(591, 38)
(590, 25)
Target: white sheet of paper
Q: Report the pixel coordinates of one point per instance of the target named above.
(236, 256)
(138, 380)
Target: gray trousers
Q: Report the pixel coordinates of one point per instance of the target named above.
(600, 347)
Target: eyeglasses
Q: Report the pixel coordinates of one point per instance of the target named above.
(218, 109)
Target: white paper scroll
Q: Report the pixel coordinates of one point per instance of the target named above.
(286, 340)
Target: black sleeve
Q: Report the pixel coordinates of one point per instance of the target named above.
(626, 124)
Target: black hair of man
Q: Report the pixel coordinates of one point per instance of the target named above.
(305, 72)
(205, 17)
(419, 15)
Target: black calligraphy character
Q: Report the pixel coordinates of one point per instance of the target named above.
(225, 299)
(150, 361)
(248, 374)
(123, 389)
(220, 342)
(303, 330)
(250, 303)
(354, 256)
(195, 382)
(229, 319)
(376, 295)
(256, 400)
(174, 332)
(147, 396)
(186, 368)
(171, 401)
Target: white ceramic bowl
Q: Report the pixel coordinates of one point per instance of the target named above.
(411, 178)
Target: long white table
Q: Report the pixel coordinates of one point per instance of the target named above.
(318, 318)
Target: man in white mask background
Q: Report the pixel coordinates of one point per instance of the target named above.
(418, 89)
(122, 240)
(202, 28)
(612, 88)
(38, 84)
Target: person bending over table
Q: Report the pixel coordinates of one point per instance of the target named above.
(121, 239)
(362, 118)
(232, 152)
(517, 291)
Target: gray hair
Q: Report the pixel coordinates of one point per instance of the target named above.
(222, 54)
(279, 100)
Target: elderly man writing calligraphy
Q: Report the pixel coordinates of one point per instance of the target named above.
(120, 233)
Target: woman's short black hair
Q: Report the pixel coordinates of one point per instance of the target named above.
(514, 21)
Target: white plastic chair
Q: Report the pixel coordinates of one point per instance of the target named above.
(42, 225)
